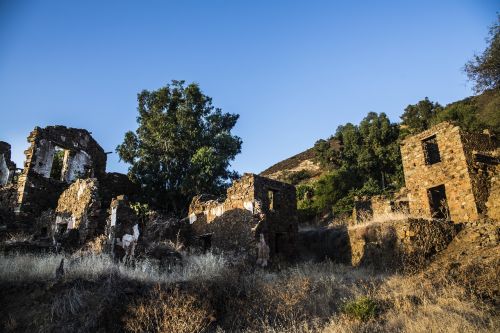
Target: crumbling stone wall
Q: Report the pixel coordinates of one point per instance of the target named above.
(8, 199)
(493, 202)
(253, 205)
(407, 244)
(83, 158)
(7, 167)
(379, 207)
(123, 229)
(456, 169)
(79, 208)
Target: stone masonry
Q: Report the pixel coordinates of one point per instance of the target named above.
(79, 208)
(7, 167)
(379, 207)
(254, 205)
(448, 172)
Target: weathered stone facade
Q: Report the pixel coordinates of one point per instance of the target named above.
(7, 167)
(448, 172)
(254, 205)
(79, 208)
(41, 183)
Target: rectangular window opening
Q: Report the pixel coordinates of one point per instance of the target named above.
(273, 199)
(431, 150)
(438, 202)
(57, 163)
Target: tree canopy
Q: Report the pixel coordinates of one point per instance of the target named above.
(183, 146)
(484, 69)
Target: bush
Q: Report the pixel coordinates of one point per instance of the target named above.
(168, 311)
(362, 308)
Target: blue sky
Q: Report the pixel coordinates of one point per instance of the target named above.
(293, 70)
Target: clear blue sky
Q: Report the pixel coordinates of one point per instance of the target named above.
(293, 70)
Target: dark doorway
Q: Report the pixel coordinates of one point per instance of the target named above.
(279, 242)
(206, 242)
(438, 202)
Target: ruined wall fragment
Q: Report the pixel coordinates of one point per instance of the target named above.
(79, 208)
(253, 205)
(493, 202)
(123, 229)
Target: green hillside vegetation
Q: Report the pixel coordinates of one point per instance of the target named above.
(369, 160)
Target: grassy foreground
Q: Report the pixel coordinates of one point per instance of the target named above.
(212, 293)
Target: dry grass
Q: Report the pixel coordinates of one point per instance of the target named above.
(313, 298)
(31, 267)
(165, 311)
(206, 295)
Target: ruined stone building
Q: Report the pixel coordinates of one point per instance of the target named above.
(63, 192)
(254, 205)
(451, 173)
(56, 157)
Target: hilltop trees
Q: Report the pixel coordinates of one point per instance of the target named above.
(368, 163)
(182, 146)
(418, 117)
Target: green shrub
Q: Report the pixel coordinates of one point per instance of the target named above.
(362, 308)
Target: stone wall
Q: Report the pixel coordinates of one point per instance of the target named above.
(406, 244)
(456, 171)
(79, 208)
(83, 158)
(253, 205)
(378, 207)
(123, 229)
(7, 167)
(493, 202)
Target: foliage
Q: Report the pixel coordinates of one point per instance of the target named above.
(297, 176)
(362, 308)
(57, 164)
(142, 210)
(182, 146)
(464, 113)
(417, 117)
(368, 163)
(484, 69)
(472, 114)
(326, 154)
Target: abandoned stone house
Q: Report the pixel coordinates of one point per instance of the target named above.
(254, 205)
(450, 173)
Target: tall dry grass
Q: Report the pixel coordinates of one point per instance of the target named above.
(31, 267)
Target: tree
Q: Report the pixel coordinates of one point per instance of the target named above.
(182, 146)
(484, 69)
(417, 118)
(369, 162)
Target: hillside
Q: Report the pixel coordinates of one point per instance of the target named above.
(300, 168)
